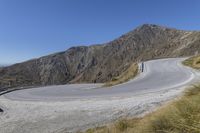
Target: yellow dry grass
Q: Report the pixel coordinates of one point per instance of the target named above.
(193, 62)
(130, 73)
(180, 116)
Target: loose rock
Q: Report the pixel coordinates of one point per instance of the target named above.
(1, 110)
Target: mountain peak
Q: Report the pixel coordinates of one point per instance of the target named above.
(150, 26)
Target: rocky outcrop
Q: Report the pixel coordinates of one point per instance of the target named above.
(100, 63)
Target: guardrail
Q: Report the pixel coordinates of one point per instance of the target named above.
(7, 90)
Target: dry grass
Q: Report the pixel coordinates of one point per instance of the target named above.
(181, 116)
(130, 73)
(193, 62)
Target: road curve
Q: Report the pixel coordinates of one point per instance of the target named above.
(73, 108)
(158, 75)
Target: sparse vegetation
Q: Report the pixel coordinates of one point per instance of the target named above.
(130, 73)
(180, 116)
(193, 62)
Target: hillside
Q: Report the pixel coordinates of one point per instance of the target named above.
(100, 63)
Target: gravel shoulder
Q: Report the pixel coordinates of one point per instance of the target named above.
(34, 117)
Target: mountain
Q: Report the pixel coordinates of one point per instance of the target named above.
(100, 63)
(4, 65)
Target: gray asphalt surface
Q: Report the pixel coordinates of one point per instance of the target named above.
(158, 75)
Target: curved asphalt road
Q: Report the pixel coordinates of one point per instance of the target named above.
(158, 75)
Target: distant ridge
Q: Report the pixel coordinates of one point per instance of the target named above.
(100, 63)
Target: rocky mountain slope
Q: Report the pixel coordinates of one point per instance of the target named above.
(100, 63)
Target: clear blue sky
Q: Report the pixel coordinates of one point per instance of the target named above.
(32, 28)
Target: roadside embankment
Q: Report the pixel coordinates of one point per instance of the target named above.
(193, 62)
(128, 74)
